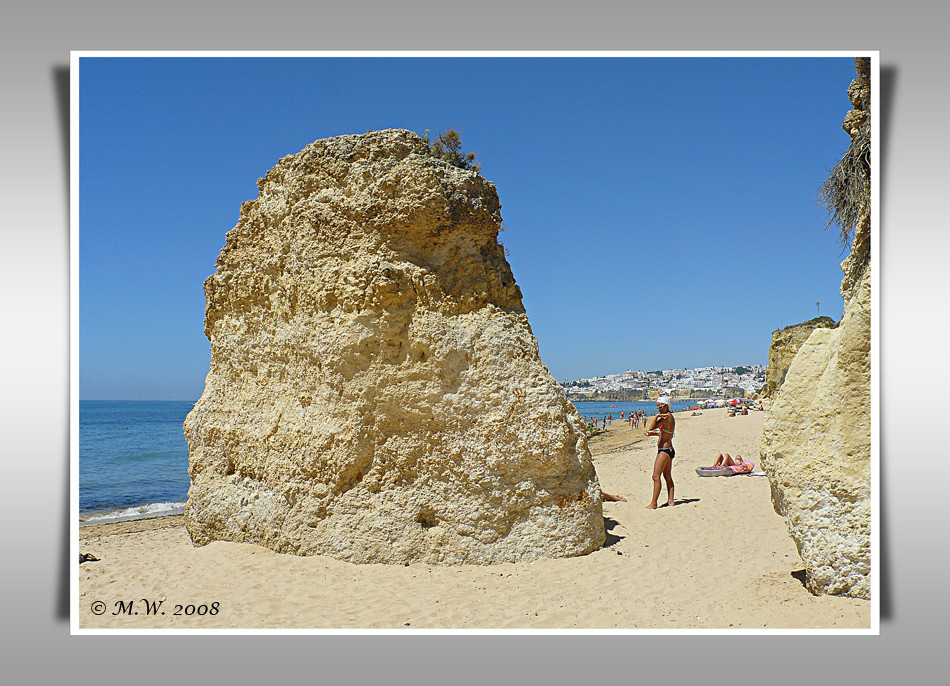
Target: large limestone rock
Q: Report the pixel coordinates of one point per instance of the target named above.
(785, 345)
(375, 391)
(816, 441)
(816, 450)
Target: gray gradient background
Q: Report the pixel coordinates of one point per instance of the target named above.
(34, 286)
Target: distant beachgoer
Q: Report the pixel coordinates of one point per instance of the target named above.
(745, 410)
(613, 498)
(662, 425)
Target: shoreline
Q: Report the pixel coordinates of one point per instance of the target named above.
(720, 559)
(97, 517)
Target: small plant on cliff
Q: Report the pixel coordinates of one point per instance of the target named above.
(448, 148)
(846, 192)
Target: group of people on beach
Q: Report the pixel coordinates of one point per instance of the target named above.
(662, 425)
(635, 417)
(594, 423)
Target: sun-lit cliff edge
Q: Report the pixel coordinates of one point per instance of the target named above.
(786, 342)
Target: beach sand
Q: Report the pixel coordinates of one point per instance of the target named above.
(721, 558)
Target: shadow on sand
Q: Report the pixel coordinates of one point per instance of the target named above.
(609, 525)
(801, 576)
(684, 501)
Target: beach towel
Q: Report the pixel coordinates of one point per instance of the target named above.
(743, 468)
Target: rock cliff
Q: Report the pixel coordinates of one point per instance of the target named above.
(375, 391)
(785, 344)
(816, 442)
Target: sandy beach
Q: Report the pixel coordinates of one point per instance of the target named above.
(721, 558)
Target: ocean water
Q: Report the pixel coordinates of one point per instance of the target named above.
(133, 458)
(599, 410)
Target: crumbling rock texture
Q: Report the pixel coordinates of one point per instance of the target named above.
(376, 393)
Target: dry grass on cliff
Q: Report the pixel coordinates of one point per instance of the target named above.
(846, 192)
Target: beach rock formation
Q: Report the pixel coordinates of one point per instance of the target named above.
(376, 392)
(816, 442)
(785, 345)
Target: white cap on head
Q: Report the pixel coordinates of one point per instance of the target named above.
(664, 400)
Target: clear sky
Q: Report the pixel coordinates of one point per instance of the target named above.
(661, 212)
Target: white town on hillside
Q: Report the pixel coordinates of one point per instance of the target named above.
(703, 382)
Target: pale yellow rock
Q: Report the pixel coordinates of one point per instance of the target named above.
(816, 447)
(785, 344)
(816, 439)
(376, 392)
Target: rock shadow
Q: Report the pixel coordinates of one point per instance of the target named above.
(801, 576)
(609, 525)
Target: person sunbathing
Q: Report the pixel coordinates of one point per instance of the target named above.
(613, 498)
(727, 461)
(738, 466)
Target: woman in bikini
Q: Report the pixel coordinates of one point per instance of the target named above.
(662, 425)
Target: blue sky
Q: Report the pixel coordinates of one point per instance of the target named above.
(660, 212)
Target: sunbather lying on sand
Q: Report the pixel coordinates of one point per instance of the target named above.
(727, 461)
(613, 498)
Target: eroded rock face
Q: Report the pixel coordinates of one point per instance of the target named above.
(816, 450)
(816, 440)
(785, 345)
(376, 392)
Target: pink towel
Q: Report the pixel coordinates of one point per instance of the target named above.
(743, 468)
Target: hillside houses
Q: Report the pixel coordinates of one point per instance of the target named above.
(702, 382)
